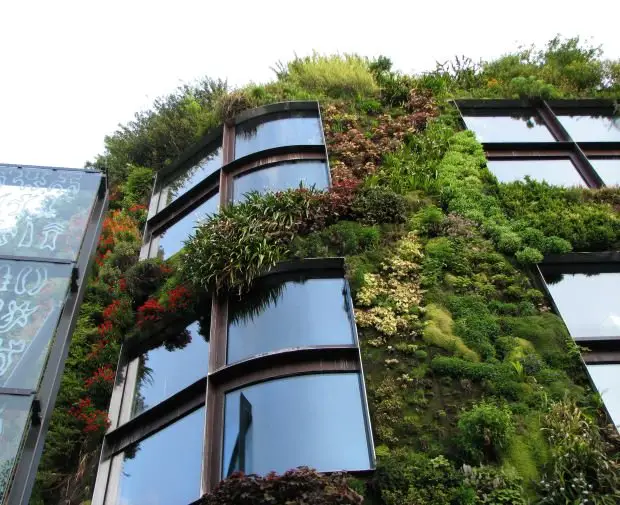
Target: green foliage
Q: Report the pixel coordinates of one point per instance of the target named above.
(494, 486)
(394, 85)
(485, 431)
(345, 238)
(429, 220)
(439, 331)
(529, 256)
(295, 487)
(379, 205)
(137, 187)
(475, 324)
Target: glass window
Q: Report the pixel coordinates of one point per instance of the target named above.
(14, 414)
(277, 130)
(164, 468)
(172, 239)
(606, 378)
(189, 177)
(592, 128)
(554, 172)
(589, 302)
(32, 294)
(289, 314)
(171, 367)
(608, 170)
(508, 129)
(280, 177)
(310, 420)
(45, 211)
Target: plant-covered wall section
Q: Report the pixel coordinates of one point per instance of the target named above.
(477, 393)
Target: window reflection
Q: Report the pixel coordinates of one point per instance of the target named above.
(280, 177)
(554, 172)
(606, 378)
(172, 367)
(608, 170)
(289, 314)
(172, 239)
(592, 128)
(166, 467)
(277, 130)
(589, 303)
(14, 414)
(310, 420)
(508, 129)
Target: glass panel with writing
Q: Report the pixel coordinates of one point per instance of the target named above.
(14, 415)
(164, 468)
(277, 130)
(588, 302)
(172, 239)
(289, 314)
(554, 172)
(310, 420)
(172, 367)
(592, 128)
(280, 177)
(606, 378)
(190, 177)
(608, 170)
(45, 211)
(508, 129)
(31, 298)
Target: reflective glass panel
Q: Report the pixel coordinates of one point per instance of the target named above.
(44, 212)
(189, 177)
(591, 128)
(310, 420)
(508, 129)
(554, 172)
(608, 170)
(172, 239)
(280, 177)
(589, 303)
(171, 367)
(14, 414)
(277, 130)
(32, 294)
(289, 314)
(606, 378)
(164, 469)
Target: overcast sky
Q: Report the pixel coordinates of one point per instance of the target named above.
(71, 71)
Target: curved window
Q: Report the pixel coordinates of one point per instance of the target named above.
(171, 367)
(608, 170)
(280, 177)
(165, 467)
(171, 240)
(289, 314)
(560, 172)
(508, 129)
(188, 178)
(14, 414)
(277, 130)
(592, 128)
(308, 420)
(605, 378)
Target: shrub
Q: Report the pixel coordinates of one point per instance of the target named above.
(430, 220)
(345, 238)
(379, 205)
(494, 486)
(509, 242)
(529, 256)
(438, 331)
(556, 245)
(295, 487)
(485, 431)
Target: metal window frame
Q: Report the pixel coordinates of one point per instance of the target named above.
(210, 390)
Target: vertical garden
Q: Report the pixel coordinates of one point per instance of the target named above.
(477, 393)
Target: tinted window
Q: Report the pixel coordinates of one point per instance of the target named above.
(289, 314)
(508, 129)
(281, 177)
(608, 170)
(277, 130)
(555, 172)
(606, 378)
(592, 129)
(191, 176)
(311, 420)
(31, 297)
(165, 468)
(44, 211)
(588, 303)
(171, 368)
(171, 240)
(14, 413)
